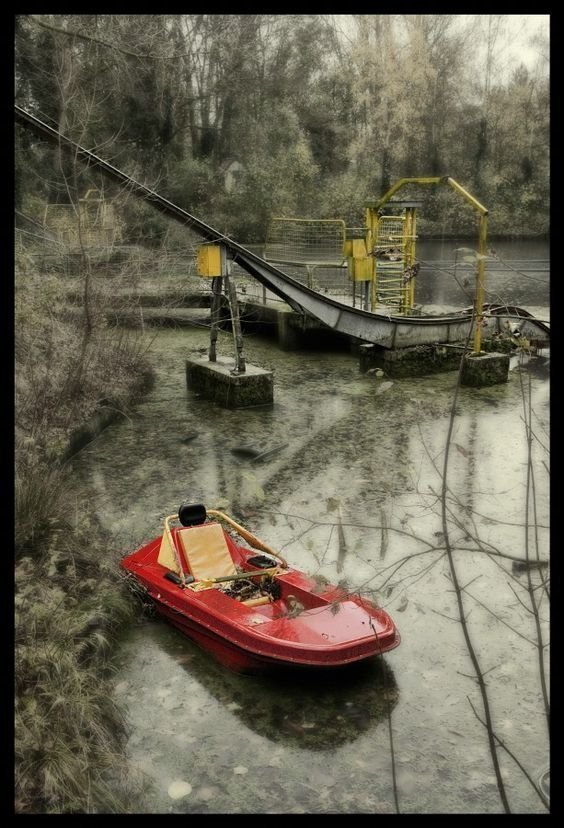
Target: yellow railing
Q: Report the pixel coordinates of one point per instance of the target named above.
(372, 218)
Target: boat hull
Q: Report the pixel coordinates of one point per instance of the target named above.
(246, 661)
(330, 628)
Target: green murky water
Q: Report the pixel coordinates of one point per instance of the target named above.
(370, 451)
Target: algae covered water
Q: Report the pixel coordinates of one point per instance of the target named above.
(352, 493)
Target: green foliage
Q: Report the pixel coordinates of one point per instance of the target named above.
(344, 197)
(318, 119)
(193, 184)
(279, 179)
(142, 224)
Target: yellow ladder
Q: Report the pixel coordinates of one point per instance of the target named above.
(390, 260)
(394, 252)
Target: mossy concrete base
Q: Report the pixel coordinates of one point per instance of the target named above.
(479, 370)
(293, 331)
(289, 334)
(412, 361)
(217, 381)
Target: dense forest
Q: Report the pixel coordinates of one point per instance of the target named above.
(238, 118)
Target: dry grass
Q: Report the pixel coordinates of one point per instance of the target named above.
(69, 734)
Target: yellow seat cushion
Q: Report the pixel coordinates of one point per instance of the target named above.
(167, 556)
(206, 551)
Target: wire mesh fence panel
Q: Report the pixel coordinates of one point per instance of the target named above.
(305, 241)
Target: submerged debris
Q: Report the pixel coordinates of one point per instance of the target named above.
(522, 566)
(190, 436)
(179, 789)
(342, 541)
(245, 451)
(257, 454)
(269, 452)
(384, 535)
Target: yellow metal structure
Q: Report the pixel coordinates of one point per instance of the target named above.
(360, 266)
(410, 236)
(358, 248)
(380, 256)
(372, 219)
(209, 261)
(389, 252)
(385, 258)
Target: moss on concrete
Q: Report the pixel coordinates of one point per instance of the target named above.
(479, 370)
(216, 381)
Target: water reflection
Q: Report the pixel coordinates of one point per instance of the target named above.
(291, 709)
(518, 273)
(374, 452)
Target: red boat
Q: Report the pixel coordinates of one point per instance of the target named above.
(252, 612)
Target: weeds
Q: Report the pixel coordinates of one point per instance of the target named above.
(69, 734)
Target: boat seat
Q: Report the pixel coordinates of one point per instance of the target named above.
(206, 551)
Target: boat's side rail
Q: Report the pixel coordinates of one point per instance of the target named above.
(248, 536)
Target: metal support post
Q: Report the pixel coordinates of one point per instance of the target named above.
(240, 367)
(215, 308)
(480, 281)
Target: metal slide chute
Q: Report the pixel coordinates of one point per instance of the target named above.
(388, 331)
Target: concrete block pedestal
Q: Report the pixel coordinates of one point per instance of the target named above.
(217, 381)
(412, 361)
(479, 370)
(419, 360)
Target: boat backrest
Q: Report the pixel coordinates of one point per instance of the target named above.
(167, 556)
(206, 551)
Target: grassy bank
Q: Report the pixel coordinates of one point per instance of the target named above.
(69, 734)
